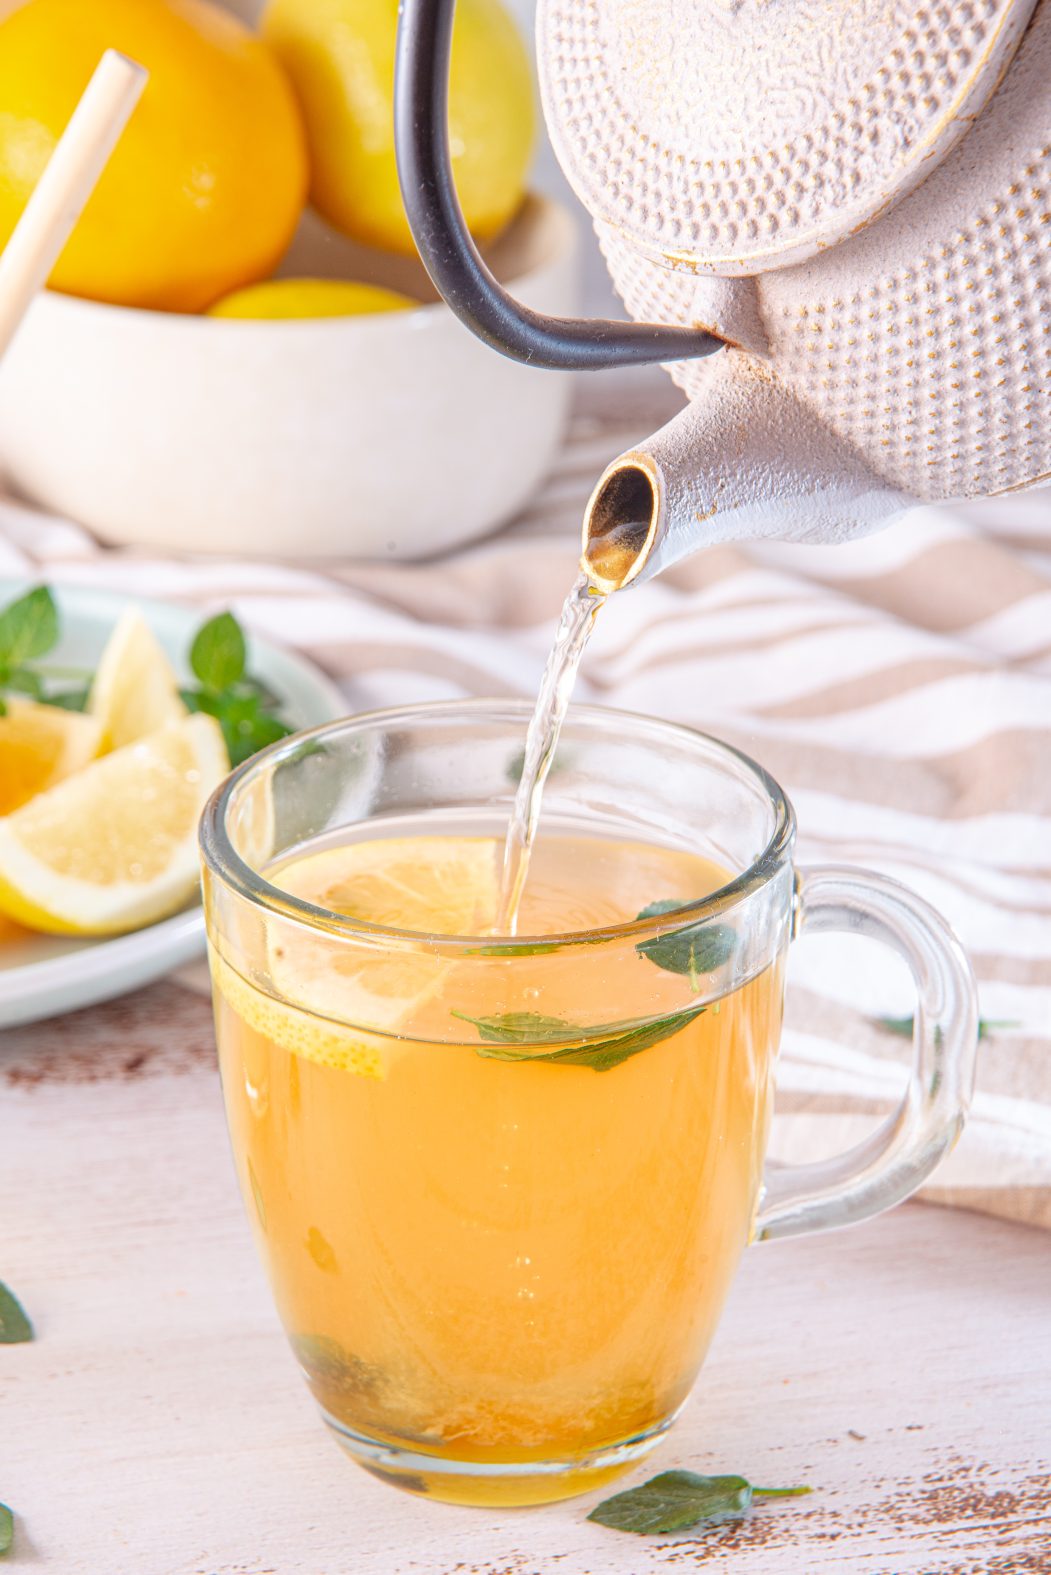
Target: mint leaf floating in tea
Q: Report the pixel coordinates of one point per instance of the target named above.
(333, 1369)
(693, 950)
(7, 1529)
(679, 1500)
(903, 1026)
(518, 1028)
(508, 1036)
(15, 1327)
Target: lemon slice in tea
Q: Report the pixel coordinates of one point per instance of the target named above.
(429, 885)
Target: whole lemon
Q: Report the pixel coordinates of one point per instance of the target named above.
(340, 56)
(289, 298)
(205, 187)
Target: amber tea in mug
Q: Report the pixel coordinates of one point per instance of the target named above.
(501, 1185)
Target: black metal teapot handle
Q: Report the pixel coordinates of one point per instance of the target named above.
(421, 135)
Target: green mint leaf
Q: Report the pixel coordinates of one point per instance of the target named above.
(256, 686)
(697, 949)
(518, 1028)
(674, 1501)
(218, 653)
(243, 715)
(247, 735)
(69, 699)
(903, 1026)
(23, 681)
(15, 1327)
(28, 627)
(327, 1364)
(531, 1028)
(7, 1529)
(678, 1500)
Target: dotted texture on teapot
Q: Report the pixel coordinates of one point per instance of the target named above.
(737, 136)
(925, 342)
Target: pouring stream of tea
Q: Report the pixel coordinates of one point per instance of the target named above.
(574, 627)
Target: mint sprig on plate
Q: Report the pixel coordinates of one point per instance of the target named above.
(516, 1036)
(246, 710)
(679, 1500)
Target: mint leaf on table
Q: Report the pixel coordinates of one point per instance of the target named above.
(903, 1026)
(531, 1028)
(693, 950)
(678, 1500)
(15, 1327)
(7, 1529)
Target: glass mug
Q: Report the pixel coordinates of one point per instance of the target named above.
(499, 1243)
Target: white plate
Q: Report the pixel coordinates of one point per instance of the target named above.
(43, 975)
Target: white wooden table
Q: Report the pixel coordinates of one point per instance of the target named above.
(158, 1427)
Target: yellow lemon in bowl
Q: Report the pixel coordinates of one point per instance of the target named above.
(206, 185)
(340, 57)
(289, 298)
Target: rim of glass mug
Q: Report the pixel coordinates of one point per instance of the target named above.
(240, 877)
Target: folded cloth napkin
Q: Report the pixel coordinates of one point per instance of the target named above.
(899, 687)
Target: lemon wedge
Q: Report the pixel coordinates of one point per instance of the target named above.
(328, 997)
(39, 745)
(134, 690)
(289, 298)
(115, 846)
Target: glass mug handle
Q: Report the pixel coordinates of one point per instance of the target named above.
(890, 1164)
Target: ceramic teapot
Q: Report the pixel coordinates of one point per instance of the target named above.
(832, 222)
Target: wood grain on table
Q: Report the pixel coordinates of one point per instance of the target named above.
(158, 1426)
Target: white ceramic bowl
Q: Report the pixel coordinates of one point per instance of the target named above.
(389, 436)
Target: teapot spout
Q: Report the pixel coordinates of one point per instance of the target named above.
(744, 460)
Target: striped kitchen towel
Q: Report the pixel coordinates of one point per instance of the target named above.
(899, 688)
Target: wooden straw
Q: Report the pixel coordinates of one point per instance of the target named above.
(67, 182)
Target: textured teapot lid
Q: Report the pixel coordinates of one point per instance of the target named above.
(741, 135)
